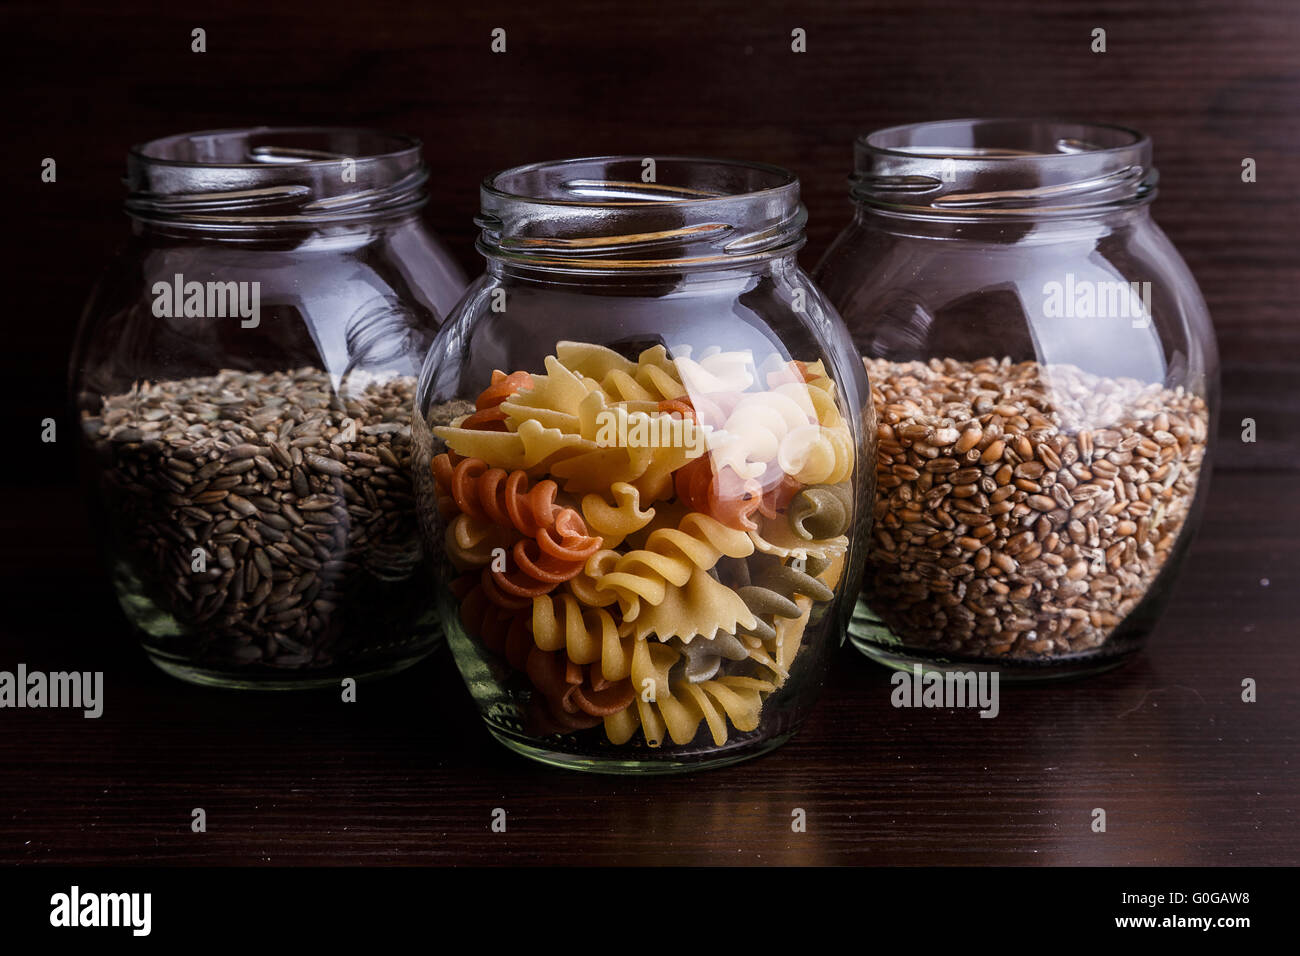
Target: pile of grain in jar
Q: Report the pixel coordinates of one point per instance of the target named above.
(297, 501)
(1023, 510)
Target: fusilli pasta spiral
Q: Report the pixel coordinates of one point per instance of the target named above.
(676, 710)
(502, 630)
(471, 542)
(669, 557)
(652, 377)
(587, 635)
(724, 496)
(576, 697)
(554, 544)
(822, 511)
(489, 415)
(701, 659)
(661, 579)
(615, 522)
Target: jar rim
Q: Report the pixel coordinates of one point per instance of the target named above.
(639, 213)
(999, 168)
(785, 181)
(259, 178)
(870, 140)
(403, 145)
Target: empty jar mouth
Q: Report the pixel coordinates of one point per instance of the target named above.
(267, 176)
(640, 213)
(976, 168)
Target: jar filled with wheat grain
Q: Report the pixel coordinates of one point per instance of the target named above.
(1045, 377)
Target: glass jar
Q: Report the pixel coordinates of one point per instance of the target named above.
(245, 373)
(646, 464)
(1046, 378)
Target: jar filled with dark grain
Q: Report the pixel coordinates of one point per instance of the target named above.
(244, 373)
(1045, 378)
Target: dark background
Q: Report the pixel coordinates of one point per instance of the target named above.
(1189, 773)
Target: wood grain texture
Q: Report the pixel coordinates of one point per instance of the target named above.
(1187, 773)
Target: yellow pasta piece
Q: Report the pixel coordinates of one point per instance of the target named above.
(669, 557)
(621, 726)
(631, 422)
(614, 522)
(597, 361)
(659, 381)
(624, 387)
(834, 571)
(584, 588)
(625, 443)
(698, 609)
(585, 635)
(789, 635)
(740, 698)
(599, 468)
(823, 404)
(533, 446)
(717, 723)
(471, 541)
(678, 711)
(553, 399)
(659, 713)
(652, 376)
(836, 431)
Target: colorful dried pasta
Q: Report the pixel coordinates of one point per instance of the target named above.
(658, 582)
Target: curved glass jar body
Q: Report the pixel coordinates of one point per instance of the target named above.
(645, 467)
(1046, 377)
(244, 373)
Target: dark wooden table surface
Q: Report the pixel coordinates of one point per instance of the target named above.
(1186, 771)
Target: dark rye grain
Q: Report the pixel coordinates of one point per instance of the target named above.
(261, 470)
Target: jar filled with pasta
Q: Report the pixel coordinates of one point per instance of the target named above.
(640, 458)
(245, 374)
(1046, 379)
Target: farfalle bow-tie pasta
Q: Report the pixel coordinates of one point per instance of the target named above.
(645, 541)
